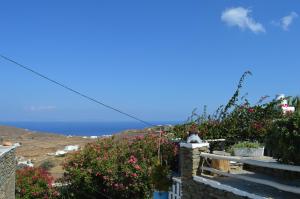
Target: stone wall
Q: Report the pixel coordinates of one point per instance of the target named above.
(190, 164)
(196, 190)
(7, 174)
(279, 173)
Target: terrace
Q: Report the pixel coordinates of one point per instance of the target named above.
(203, 175)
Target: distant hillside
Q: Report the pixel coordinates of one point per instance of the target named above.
(36, 145)
(14, 132)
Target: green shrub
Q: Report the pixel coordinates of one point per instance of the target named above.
(160, 177)
(34, 183)
(283, 139)
(247, 144)
(117, 168)
(47, 165)
(237, 121)
(180, 131)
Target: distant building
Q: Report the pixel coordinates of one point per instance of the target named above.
(284, 104)
(71, 148)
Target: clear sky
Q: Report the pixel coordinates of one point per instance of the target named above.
(155, 59)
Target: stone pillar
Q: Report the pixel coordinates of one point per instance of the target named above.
(7, 172)
(189, 165)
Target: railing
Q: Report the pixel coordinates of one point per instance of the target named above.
(175, 192)
(268, 182)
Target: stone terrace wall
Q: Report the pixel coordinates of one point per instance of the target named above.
(279, 173)
(7, 174)
(189, 167)
(195, 190)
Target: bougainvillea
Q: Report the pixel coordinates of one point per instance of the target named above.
(237, 121)
(283, 139)
(34, 183)
(245, 122)
(117, 168)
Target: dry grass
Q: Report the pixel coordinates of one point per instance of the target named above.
(35, 146)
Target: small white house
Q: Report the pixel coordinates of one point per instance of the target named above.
(106, 135)
(26, 163)
(71, 148)
(60, 153)
(284, 104)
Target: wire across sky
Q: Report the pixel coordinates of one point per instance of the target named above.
(74, 91)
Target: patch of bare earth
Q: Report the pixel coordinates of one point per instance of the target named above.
(36, 146)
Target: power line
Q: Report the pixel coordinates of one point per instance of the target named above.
(74, 91)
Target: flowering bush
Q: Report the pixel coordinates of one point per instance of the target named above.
(34, 183)
(117, 168)
(237, 121)
(245, 122)
(283, 139)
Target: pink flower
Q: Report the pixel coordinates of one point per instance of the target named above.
(116, 185)
(257, 126)
(56, 193)
(137, 167)
(250, 110)
(139, 137)
(134, 175)
(132, 160)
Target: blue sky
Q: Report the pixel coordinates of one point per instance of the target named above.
(155, 59)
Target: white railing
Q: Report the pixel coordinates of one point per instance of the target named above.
(175, 191)
(215, 140)
(277, 185)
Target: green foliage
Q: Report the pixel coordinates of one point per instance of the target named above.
(179, 131)
(247, 144)
(237, 121)
(233, 100)
(161, 177)
(244, 123)
(47, 165)
(295, 102)
(118, 168)
(34, 183)
(283, 139)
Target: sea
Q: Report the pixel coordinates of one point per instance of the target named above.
(83, 128)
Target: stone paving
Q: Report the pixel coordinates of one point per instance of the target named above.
(258, 189)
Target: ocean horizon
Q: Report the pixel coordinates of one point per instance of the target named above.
(82, 128)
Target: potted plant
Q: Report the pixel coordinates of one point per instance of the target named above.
(161, 181)
(248, 149)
